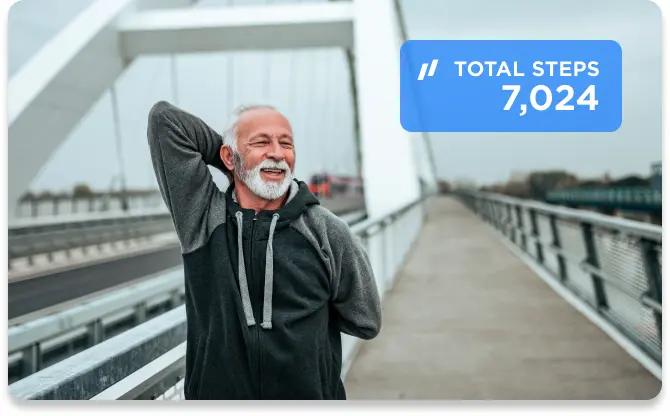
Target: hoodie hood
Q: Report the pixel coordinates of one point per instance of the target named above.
(297, 202)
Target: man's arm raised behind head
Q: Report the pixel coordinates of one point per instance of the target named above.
(182, 145)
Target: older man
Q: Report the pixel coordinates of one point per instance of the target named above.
(271, 276)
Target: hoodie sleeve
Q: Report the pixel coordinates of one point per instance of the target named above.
(355, 296)
(181, 146)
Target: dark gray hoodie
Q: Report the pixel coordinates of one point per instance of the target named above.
(267, 293)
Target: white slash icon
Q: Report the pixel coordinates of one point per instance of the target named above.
(431, 71)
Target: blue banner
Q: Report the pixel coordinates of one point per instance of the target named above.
(510, 85)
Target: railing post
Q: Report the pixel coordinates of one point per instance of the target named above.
(592, 259)
(536, 234)
(495, 215)
(501, 218)
(175, 299)
(519, 220)
(489, 206)
(556, 243)
(96, 332)
(141, 312)
(485, 213)
(385, 269)
(492, 214)
(654, 278)
(31, 359)
(510, 220)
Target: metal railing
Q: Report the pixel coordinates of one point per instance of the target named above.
(82, 376)
(47, 235)
(62, 204)
(61, 334)
(612, 264)
(157, 355)
(27, 238)
(631, 197)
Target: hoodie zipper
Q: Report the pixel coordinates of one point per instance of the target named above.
(256, 327)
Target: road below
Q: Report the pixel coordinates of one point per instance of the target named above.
(37, 293)
(33, 294)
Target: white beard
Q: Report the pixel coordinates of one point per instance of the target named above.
(269, 190)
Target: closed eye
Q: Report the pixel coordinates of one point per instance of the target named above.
(260, 142)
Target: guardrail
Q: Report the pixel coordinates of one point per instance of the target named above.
(27, 238)
(642, 198)
(157, 355)
(90, 322)
(47, 235)
(612, 264)
(94, 370)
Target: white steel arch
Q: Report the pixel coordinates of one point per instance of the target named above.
(51, 92)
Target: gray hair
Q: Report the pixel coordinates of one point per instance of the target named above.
(230, 134)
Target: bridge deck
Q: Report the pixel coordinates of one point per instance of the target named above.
(467, 319)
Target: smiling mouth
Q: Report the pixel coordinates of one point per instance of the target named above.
(273, 173)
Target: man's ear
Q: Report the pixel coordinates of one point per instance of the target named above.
(226, 156)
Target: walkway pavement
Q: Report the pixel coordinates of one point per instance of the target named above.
(467, 319)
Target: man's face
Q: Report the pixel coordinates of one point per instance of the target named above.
(266, 159)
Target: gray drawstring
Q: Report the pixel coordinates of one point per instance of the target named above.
(242, 274)
(269, 276)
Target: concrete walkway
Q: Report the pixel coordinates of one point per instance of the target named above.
(469, 320)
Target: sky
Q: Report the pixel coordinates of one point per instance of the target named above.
(493, 157)
(311, 87)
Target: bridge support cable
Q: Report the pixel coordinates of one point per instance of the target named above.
(425, 136)
(119, 146)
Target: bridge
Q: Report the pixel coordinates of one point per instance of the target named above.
(490, 321)
(484, 296)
